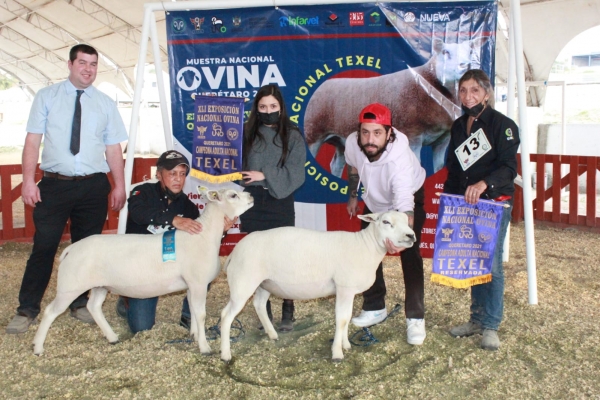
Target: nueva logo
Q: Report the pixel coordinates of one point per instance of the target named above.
(435, 17)
(296, 21)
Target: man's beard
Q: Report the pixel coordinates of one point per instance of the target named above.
(372, 156)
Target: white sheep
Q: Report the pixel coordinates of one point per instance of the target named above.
(301, 264)
(132, 265)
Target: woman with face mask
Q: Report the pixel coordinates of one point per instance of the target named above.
(490, 140)
(274, 154)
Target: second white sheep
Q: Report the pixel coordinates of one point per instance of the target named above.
(300, 264)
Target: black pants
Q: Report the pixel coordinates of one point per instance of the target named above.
(268, 213)
(412, 269)
(85, 202)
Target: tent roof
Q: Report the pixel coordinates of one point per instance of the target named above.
(36, 35)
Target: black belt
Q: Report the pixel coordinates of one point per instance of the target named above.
(55, 175)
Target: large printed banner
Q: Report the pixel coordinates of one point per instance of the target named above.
(465, 241)
(330, 61)
(217, 142)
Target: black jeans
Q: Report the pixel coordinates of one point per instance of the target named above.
(412, 269)
(85, 202)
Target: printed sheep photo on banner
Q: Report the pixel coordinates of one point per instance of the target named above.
(422, 99)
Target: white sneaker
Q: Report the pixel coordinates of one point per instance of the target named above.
(415, 331)
(368, 318)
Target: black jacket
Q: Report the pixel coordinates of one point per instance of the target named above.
(148, 205)
(498, 167)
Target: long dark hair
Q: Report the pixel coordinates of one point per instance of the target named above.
(251, 133)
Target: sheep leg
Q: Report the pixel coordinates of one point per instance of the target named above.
(237, 301)
(94, 306)
(193, 322)
(439, 151)
(343, 313)
(338, 162)
(261, 296)
(345, 341)
(53, 310)
(415, 144)
(315, 147)
(197, 300)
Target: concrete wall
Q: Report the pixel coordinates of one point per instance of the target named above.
(581, 140)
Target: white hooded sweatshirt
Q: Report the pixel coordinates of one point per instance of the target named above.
(390, 182)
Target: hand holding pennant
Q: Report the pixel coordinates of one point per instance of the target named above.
(465, 240)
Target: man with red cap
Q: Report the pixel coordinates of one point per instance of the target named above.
(379, 157)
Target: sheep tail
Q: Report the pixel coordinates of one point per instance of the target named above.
(226, 263)
(65, 252)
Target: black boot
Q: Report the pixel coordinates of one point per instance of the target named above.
(287, 316)
(269, 313)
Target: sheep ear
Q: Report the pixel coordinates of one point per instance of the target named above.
(214, 195)
(368, 217)
(203, 192)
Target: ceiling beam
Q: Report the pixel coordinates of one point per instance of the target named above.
(7, 59)
(19, 10)
(112, 21)
(31, 46)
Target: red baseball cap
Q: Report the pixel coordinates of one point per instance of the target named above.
(382, 114)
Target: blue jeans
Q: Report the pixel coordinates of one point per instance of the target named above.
(141, 313)
(487, 300)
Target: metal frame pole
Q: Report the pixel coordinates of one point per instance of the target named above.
(515, 8)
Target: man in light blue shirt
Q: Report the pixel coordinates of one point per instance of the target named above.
(81, 144)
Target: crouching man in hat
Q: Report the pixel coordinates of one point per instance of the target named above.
(155, 207)
(379, 156)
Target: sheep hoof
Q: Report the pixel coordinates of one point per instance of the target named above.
(114, 342)
(206, 353)
(37, 351)
(337, 360)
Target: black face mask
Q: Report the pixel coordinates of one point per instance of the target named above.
(269, 118)
(475, 110)
(171, 195)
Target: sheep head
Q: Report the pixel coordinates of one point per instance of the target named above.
(233, 203)
(391, 225)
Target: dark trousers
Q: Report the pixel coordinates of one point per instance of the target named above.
(268, 213)
(412, 269)
(85, 202)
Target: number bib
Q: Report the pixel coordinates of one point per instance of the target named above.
(472, 149)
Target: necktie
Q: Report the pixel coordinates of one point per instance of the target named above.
(76, 129)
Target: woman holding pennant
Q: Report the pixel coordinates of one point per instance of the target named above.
(274, 154)
(482, 163)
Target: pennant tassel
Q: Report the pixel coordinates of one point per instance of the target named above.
(460, 283)
(216, 178)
